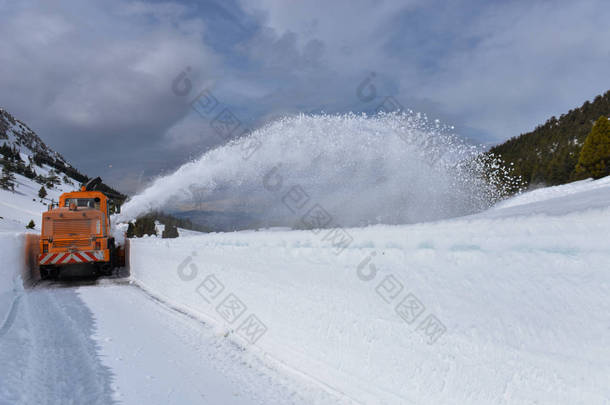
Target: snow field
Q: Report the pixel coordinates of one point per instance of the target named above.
(19, 207)
(522, 302)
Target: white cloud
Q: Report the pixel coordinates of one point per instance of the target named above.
(531, 61)
(499, 69)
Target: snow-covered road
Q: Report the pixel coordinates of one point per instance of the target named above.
(47, 354)
(134, 350)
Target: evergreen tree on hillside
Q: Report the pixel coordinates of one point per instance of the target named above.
(7, 181)
(29, 172)
(549, 154)
(53, 179)
(67, 180)
(594, 160)
(42, 193)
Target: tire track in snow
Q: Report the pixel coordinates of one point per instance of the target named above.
(53, 359)
(10, 318)
(266, 362)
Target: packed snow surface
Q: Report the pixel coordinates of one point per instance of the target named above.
(507, 306)
(510, 305)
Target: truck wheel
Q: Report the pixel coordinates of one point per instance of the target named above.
(54, 273)
(44, 273)
(113, 254)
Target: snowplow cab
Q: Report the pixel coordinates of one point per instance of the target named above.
(78, 232)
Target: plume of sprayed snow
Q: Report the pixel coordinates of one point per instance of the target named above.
(390, 168)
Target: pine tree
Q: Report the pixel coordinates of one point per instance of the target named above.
(42, 193)
(549, 154)
(131, 231)
(170, 231)
(142, 226)
(31, 224)
(594, 160)
(147, 225)
(52, 179)
(7, 181)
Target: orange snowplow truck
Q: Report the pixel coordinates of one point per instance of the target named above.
(77, 232)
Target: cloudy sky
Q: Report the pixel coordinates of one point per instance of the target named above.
(111, 84)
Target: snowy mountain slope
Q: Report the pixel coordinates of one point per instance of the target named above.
(19, 207)
(33, 165)
(28, 152)
(14, 132)
(521, 293)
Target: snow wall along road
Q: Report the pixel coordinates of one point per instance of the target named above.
(17, 269)
(502, 308)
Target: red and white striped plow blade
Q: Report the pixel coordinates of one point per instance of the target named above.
(70, 258)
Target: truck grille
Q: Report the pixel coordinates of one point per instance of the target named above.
(71, 243)
(69, 227)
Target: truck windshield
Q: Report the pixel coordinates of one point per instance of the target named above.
(83, 202)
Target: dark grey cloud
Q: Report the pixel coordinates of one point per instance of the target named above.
(95, 78)
(99, 89)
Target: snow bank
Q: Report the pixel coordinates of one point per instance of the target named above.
(18, 253)
(580, 196)
(485, 309)
(564, 190)
(12, 248)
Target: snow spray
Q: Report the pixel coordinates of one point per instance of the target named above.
(390, 168)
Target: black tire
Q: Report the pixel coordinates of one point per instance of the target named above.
(44, 273)
(113, 255)
(54, 273)
(106, 270)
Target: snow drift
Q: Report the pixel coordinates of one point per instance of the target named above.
(521, 301)
(390, 168)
